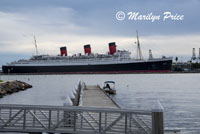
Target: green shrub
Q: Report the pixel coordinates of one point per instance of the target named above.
(196, 65)
(1, 80)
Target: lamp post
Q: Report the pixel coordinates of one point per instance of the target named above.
(0, 74)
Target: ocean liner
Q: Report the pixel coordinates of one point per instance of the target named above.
(115, 61)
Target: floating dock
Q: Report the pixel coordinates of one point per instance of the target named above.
(94, 96)
(98, 114)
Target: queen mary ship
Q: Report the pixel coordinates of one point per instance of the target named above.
(115, 61)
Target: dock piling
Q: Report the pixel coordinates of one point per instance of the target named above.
(68, 117)
(157, 118)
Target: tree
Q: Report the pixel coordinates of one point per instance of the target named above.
(176, 59)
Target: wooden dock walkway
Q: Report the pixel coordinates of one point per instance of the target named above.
(94, 96)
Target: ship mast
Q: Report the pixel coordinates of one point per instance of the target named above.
(139, 52)
(35, 45)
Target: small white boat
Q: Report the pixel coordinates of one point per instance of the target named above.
(109, 87)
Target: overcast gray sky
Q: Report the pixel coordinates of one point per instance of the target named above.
(74, 23)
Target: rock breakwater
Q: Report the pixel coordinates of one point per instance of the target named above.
(9, 87)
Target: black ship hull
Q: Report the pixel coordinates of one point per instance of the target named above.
(149, 66)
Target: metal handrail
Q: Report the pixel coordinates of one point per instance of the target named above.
(75, 108)
(30, 118)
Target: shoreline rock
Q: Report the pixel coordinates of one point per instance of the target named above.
(9, 87)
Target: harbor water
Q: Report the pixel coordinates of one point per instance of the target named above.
(178, 93)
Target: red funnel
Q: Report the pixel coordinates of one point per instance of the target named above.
(112, 48)
(63, 51)
(87, 49)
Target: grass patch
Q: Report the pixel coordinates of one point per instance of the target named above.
(1, 80)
